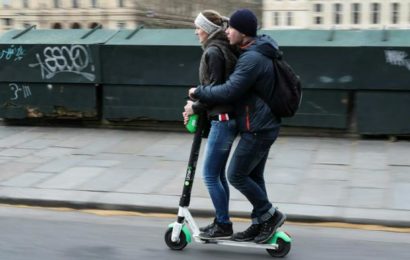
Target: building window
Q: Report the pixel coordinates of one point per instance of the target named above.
(7, 21)
(317, 8)
(93, 25)
(75, 3)
(121, 25)
(94, 3)
(375, 13)
(409, 14)
(57, 26)
(276, 18)
(356, 8)
(76, 26)
(337, 13)
(395, 15)
(57, 4)
(289, 18)
(25, 3)
(120, 3)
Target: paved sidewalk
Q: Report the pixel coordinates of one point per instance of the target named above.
(309, 178)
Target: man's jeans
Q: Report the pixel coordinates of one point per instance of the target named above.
(246, 170)
(220, 139)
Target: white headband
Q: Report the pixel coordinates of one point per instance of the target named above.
(202, 22)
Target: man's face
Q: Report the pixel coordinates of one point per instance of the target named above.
(234, 36)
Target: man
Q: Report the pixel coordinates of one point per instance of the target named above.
(253, 76)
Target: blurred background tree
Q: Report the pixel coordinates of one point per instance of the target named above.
(180, 13)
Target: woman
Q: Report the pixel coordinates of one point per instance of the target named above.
(217, 62)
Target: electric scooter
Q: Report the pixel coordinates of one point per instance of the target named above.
(181, 232)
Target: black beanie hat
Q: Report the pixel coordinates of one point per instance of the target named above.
(245, 21)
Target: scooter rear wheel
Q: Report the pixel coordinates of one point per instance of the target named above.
(179, 245)
(283, 248)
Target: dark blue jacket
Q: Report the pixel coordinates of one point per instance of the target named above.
(253, 74)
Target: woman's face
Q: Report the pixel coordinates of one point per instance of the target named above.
(202, 35)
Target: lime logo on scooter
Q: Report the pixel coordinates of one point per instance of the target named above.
(192, 123)
(188, 175)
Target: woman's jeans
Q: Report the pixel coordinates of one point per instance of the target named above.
(246, 170)
(220, 139)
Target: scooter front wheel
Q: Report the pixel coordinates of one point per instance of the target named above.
(283, 248)
(179, 245)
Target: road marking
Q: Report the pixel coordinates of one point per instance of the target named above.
(369, 227)
(108, 213)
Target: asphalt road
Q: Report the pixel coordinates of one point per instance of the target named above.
(38, 233)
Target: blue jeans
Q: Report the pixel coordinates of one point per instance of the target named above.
(220, 139)
(246, 170)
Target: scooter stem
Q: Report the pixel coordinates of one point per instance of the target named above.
(193, 159)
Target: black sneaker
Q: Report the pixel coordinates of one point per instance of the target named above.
(269, 227)
(248, 235)
(205, 229)
(218, 231)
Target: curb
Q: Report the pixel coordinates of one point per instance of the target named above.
(197, 212)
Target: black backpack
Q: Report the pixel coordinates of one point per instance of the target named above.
(286, 96)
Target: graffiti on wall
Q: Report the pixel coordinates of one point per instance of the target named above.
(19, 91)
(397, 58)
(65, 59)
(12, 53)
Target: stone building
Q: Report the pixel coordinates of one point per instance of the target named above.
(273, 14)
(338, 14)
(111, 14)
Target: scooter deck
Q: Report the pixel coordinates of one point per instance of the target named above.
(229, 242)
